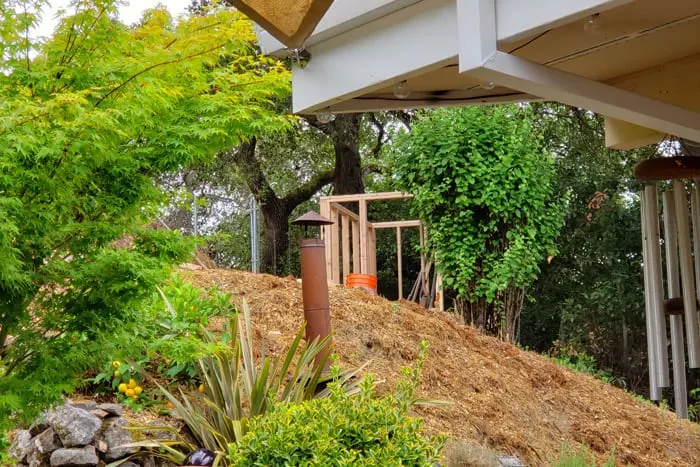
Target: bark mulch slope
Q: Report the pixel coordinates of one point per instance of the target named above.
(513, 401)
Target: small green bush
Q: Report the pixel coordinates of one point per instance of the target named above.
(581, 457)
(341, 430)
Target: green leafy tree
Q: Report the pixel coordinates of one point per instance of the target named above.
(88, 120)
(484, 187)
(590, 297)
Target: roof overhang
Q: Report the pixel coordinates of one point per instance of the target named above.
(640, 70)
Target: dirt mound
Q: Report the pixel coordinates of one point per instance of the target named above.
(514, 401)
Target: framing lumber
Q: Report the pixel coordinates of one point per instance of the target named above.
(363, 237)
(356, 247)
(345, 226)
(335, 247)
(399, 261)
(389, 195)
(344, 211)
(395, 224)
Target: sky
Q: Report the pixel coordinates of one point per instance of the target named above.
(128, 14)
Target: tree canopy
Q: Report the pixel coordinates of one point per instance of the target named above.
(484, 187)
(89, 118)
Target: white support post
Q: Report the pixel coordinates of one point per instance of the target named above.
(690, 308)
(399, 262)
(680, 390)
(654, 389)
(655, 281)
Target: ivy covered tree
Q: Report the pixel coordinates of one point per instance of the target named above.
(484, 187)
(89, 118)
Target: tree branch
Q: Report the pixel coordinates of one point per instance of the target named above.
(308, 189)
(380, 134)
(155, 65)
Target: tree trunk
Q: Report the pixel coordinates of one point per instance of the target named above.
(276, 235)
(344, 131)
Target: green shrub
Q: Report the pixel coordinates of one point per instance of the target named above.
(341, 430)
(581, 457)
(237, 387)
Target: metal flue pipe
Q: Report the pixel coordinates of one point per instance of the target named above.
(687, 275)
(676, 321)
(314, 284)
(654, 389)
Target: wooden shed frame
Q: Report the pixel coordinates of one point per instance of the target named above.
(351, 241)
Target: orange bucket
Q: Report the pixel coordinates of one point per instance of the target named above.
(363, 281)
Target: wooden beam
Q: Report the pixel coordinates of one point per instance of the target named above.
(335, 247)
(625, 136)
(399, 260)
(326, 235)
(372, 251)
(345, 225)
(343, 210)
(440, 291)
(356, 247)
(389, 195)
(363, 237)
(395, 224)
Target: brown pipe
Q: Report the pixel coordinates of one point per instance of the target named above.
(314, 287)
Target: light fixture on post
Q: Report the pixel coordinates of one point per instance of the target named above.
(401, 90)
(487, 85)
(314, 283)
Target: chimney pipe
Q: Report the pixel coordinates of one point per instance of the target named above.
(314, 283)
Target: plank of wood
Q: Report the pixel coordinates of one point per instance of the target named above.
(395, 224)
(356, 247)
(399, 259)
(345, 211)
(367, 197)
(326, 234)
(345, 226)
(335, 247)
(363, 237)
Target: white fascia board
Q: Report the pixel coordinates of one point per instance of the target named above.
(410, 41)
(548, 83)
(518, 19)
(342, 16)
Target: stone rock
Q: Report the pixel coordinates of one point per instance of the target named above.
(101, 446)
(148, 462)
(99, 413)
(128, 464)
(114, 434)
(75, 457)
(40, 424)
(37, 458)
(113, 409)
(74, 426)
(47, 442)
(85, 405)
(21, 446)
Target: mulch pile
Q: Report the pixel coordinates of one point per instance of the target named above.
(513, 401)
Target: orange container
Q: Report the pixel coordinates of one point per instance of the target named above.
(363, 281)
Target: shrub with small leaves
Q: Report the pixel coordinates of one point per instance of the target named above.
(342, 430)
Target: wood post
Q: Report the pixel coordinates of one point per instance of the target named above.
(326, 235)
(372, 251)
(363, 237)
(345, 226)
(355, 247)
(335, 247)
(399, 260)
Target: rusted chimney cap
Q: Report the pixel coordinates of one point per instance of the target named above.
(312, 218)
